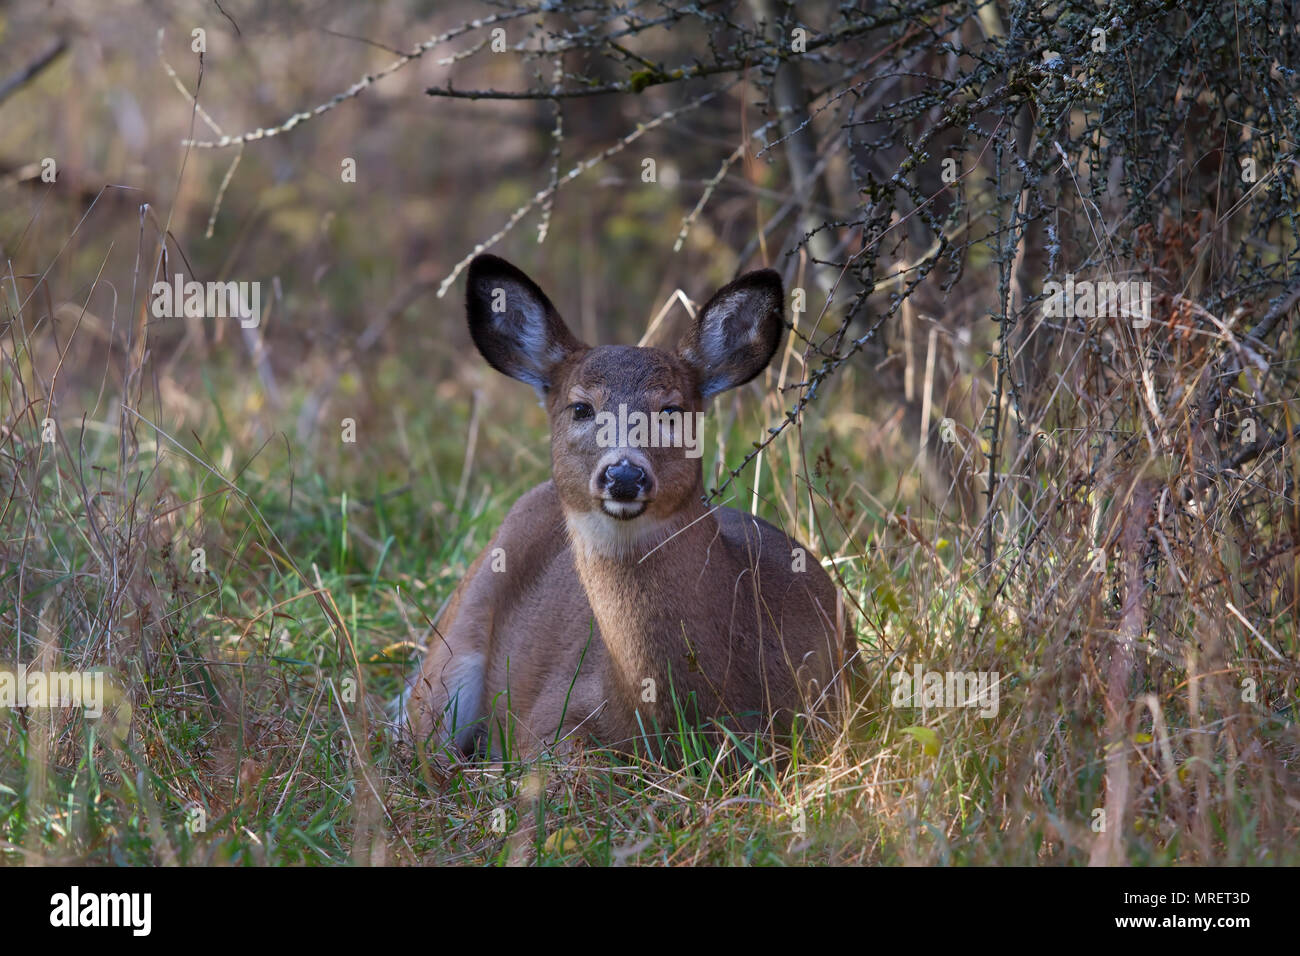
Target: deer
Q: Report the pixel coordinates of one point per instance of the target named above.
(612, 600)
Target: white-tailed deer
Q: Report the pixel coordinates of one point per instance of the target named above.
(612, 601)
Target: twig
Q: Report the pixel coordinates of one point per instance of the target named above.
(20, 78)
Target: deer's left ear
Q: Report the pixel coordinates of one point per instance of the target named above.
(513, 323)
(737, 332)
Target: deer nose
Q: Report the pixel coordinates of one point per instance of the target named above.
(624, 481)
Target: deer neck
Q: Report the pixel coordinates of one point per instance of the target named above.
(636, 580)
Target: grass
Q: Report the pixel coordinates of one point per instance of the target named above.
(249, 727)
(258, 588)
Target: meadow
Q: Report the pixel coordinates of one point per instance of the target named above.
(251, 529)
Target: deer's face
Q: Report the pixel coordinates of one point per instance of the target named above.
(625, 433)
(625, 421)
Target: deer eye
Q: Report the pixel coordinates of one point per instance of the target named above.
(672, 410)
(582, 411)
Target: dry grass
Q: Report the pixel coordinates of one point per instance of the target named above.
(1138, 611)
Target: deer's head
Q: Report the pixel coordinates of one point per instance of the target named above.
(624, 420)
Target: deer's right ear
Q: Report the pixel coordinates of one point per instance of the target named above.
(513, 323)
(737, 332)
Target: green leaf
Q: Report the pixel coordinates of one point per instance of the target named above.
(926, 737)
(639, 80)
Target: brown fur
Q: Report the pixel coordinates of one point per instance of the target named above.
(588, 608)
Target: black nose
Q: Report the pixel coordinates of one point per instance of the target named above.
(624, 481)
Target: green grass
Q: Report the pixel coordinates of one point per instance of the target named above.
(254, 692)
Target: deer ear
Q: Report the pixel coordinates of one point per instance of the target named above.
(737, 332)
(513, 324)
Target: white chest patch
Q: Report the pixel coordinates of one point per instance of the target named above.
(598, 535)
